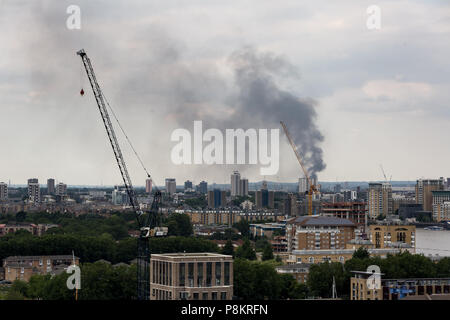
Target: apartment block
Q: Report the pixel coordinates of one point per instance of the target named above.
(3, 191)
(191, 276)
(318, 232)
(441, 205)
(34, 191)
(379, 198)
(23, 267)
(424, 188)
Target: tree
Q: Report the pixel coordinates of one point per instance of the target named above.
(180, 225)
(320, 279)
(246, 251)
(361, 253)
(244, 228)
(267, 252)
(228, 248)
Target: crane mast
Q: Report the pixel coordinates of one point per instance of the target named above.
(312, 187)
(148, 226)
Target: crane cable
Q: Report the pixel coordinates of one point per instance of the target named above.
(128, 139)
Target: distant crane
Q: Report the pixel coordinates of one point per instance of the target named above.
(384, 174)
(149, 225)
(312, 187)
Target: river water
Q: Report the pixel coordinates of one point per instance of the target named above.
(433, 242)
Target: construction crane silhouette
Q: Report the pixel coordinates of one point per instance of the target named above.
(150, 223)
(312, 187)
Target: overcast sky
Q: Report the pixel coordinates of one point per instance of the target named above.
(373, 96)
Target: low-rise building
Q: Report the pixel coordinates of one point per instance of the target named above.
(388, 235)
(191, 276)
(298, 270)
(395, 289)
(23, 267)
(353, 211)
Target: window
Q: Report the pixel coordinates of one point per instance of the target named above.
(311, 259)
(184, 295)
(205, 296)
(191, 274)
(40, 262)
(208, 274)
(218, 273)
(227, 273)
(48, 262)
(22, 270)
(214, 296)
(223, 296)
(195, 295)
(200, 274)
(182, 271)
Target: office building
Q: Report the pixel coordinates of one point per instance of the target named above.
(441, 205)
(51, 186)
(424, 187)
(202, 187)
(290, 205)
(61, 189)
(148, 185)
(409, 210)
(187, 185)
(379, 198)
(318, 232)
(3, 191)
(171, 186)
(235, 183)
(34, 191)
(265, 199)
(217, 198)
(191, 276)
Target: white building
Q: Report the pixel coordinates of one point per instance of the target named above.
(61, 189)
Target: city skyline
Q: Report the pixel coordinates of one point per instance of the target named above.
(169, 65)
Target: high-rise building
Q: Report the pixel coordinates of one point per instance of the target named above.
(303, 185)
(290, 205)
(379, 197)
(243, 188)
(187, 185)
(265, 199)
(120, 196)
(202, 187)
(264, 185)
(3, 191)
(148, 185)
(217, 198)
(171, 186)
(51, 186)
(424, 187)
(61, 189)
(235, 183)
(441, 205)
(34, 191)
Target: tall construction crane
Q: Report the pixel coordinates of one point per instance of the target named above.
(149, 224)
(312, 187)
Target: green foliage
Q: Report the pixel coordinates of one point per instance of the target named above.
(267, 252)
(361, 253)
(228, 248)
(179, 225)
(246, 251)
(199, 202)
(254, 280)
(244, 228)
(320, 279)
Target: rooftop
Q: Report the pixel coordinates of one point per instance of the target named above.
(321, 221)
(180, 255)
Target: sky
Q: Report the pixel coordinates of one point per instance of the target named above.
(352, 97)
